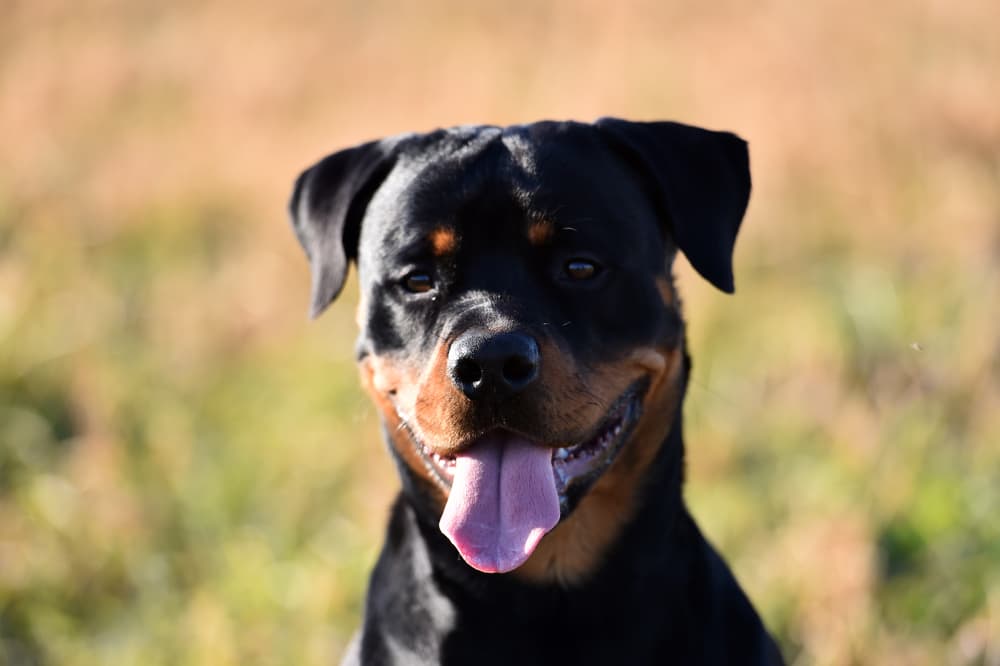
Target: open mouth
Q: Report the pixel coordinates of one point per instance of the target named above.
(506, 491)
(574, 467)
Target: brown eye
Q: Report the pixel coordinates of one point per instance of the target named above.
(418, 283)
(580, 269)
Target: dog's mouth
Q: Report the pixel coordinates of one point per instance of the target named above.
(506, 491)
(574, 467)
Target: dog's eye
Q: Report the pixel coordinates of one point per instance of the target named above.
(581, 269)
(418, 283)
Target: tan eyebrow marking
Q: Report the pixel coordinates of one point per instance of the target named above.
(541, 232)
(443, 241)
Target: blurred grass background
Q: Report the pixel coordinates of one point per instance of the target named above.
(189, 473)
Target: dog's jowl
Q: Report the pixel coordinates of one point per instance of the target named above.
(522, 340)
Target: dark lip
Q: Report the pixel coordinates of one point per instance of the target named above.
(620, 421)
(594, 456)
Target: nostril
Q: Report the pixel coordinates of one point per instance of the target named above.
(493, 366)
(518, 369)
(468, 371)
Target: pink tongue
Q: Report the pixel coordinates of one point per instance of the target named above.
(503, 500)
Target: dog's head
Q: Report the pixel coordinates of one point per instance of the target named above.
(520, 333)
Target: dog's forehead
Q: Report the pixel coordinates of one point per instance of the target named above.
(492, 180)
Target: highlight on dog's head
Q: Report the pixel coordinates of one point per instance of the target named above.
(518, 316)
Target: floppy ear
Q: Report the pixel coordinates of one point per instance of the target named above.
(702, 182)
(326, 208)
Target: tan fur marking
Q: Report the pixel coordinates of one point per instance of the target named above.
(576, 546)
(443, 241)
(439, 408)
(386, 380)
(666, 291)
(563, 402)
(561, 408)
(541, 232)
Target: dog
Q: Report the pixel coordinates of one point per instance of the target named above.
(522, 339)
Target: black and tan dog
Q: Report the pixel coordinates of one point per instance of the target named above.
(522, 339)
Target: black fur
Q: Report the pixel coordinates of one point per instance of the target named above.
(626, 194)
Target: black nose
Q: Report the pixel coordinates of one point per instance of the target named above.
(495, 366)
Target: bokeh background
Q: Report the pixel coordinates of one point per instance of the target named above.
(189, 473)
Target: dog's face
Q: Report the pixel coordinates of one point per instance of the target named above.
(520, 333)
